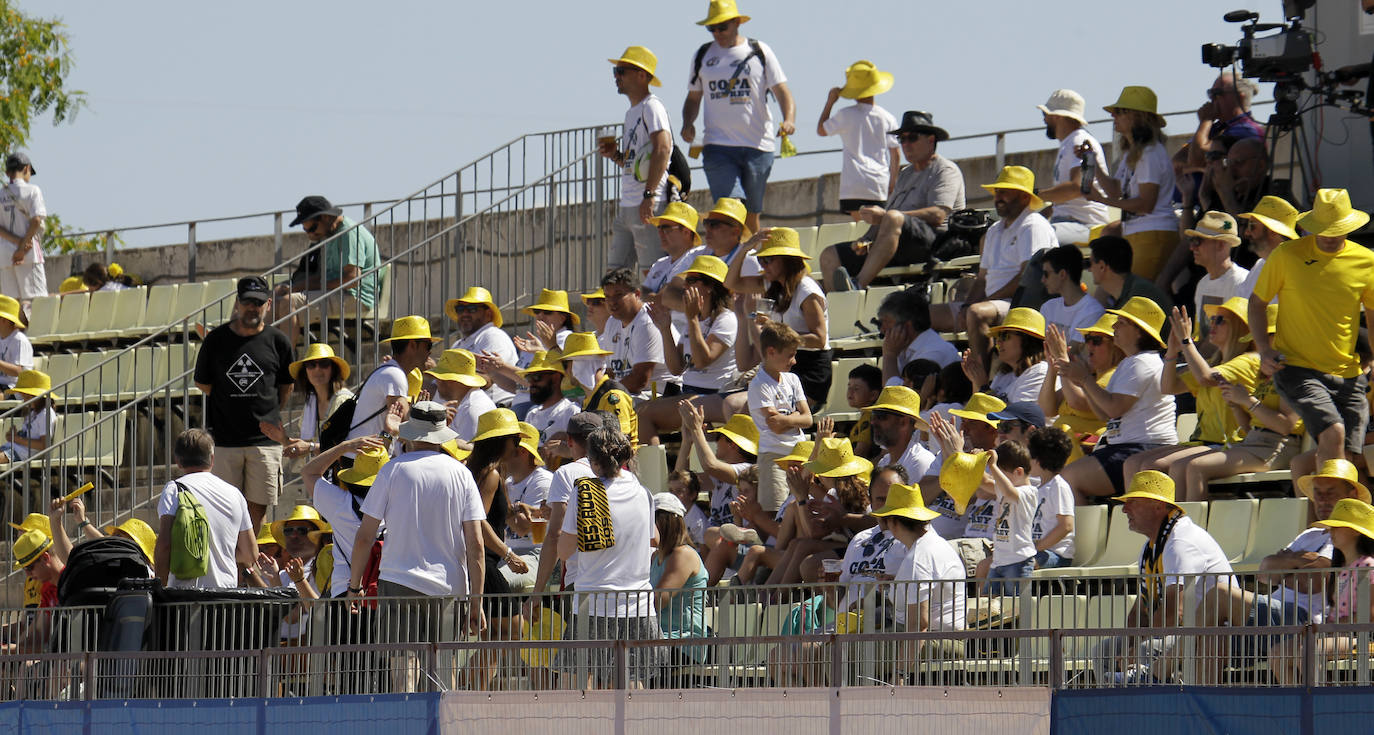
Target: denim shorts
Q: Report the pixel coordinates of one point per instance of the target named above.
(1049, 560)
(1016, 570)
(735, 171)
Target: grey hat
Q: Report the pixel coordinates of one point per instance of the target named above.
(18, 159)
(581, 425)
(428, 422)
(669, 503)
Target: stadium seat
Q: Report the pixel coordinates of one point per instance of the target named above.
(99, 314)
(43, 316)
(157, 312)
(129, 307)
(219, 300)
(1230, 522)
(1278, 521)
(144, 370)
(190, 305)
(96, 449)
(843, 309)
(834, 232)
(1187, 424)
(836, 404)
(1089, 541)
(652, 462)
(1196, 510)
(1121, 553)
(806, 237)
(71, 314)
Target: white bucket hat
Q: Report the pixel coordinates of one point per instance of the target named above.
(428, 422)
(669, 503)
(1066, 103)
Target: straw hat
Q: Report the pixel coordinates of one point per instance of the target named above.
(1276, 214)
(1102, 326)
(1335, 469)
(710, 266)
(29, 547)
(71, 284)
(1024, 320)
(366, 465)
(428, 422)
(1142, 99)
(837, 459)
(35, 522)
(732, 209)
(140, 532)
(900, 399)
(720, 11)
(679, 213)
(960, 477)
(599, 293)
(9, 309)
(451, 448)
(782, 241)
(1216, 226)
(553, 300)
(460, 366)
(862, 79)
(300, 513)
(1151, 485)
(800, 453)
(1017, 178)
(643, 58)
(978, 407)
(495, 423)
(741, 430)
(317, 351)
(1065, 103)
(1143, 313)
(529, 441)
(475, 295)
(1235, 306)
(265, 536)
(410, 327)
(1332, 215)
(32, 383)
(582, 344)
(1351, 513)
(906, 501)
(545, 362)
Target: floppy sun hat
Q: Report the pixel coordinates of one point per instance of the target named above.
(863, 79)
(1023, 320)
(1335, 469)
(782, 241)
(477, 296)
(741, 430)
(731, 209)
(1216, 226)
(366, 465)
(720, 11)
(710, 266)
(553, 300)
(800, 453)
(960, 477)
(582, 344)
(1150, 485)
(1278, 216)
(1332, 215)
(903, 400)
(906, 501)
(643, 58)
(1017, 178)
(978, 407)
(299, 513)
(1065, 103)
(837, 459)
(319, 351)
(410, 327)
(458, 365)
(1351, 513)
(1143, 313)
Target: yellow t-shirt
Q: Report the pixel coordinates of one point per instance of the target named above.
(1083, 422)
(1216, 422)
(1269, 398)
(1320, 295)
(619, 403)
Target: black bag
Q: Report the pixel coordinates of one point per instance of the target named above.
(1031, 291)
(96, 567)
(679, 172)
(335, 429)
(961, 238)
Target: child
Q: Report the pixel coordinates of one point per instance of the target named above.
(727, 554)
(865, 383)
(39, 420)
(871, 161)
(778, 405)
(686, 487)
(1013, 552)
(1052, 529)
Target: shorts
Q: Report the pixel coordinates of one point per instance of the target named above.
(695, 390)
(1275, 450)
(1324, 400)
(772, 482)
(813, 369)
(633, 244)
(345, 304)
(913, 247)
(739, 172)
(971, 551)
(1047, 559)
(1113, 458)
(254, 470)
(853, 205)
(1015, 571)
(25, 282)
(1071, 232)
(420, 619)
(1268, 612)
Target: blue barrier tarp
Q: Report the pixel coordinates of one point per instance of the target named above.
(1212, 710)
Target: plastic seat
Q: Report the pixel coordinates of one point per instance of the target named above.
(1089, 541)
(143, 369)
(99, 447)
(653, 467)
(71, 314)
(1187, 424)
(99, 314)
(1230, 522)
(1122, 549)
(843, 309)
(219, 300)
(1196, 510)
(43, 316)
(1277, 522)
(129, 307)
(832, 233)
(157, 313)
(836, 402)
(807, 241)
(190, 304)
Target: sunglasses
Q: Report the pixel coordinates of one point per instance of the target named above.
(295, 531)
(469, 308)
(621, 71)
(1218, 320)
(595, 302)
(765, 260)
(669, 227)
(710, 223)
(909, 137)
(1006, 426)
(541, 312)
(321, 364)
(717, 28)
(310, 225)
(1095, 340)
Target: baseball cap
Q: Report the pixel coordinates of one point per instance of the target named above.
(582, 424)
(254, 287)
(313, 206)
(1025, 411)
(669, 503)
(17, 159)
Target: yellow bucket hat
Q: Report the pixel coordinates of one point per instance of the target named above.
(140, 532)
(265, 536)
(475, 295)
(529, 441)
(643, 58)
(720, 11)
(299, 513)
(9, 309)
(837, 459)
(1216, 226)
(29, 547)
(415, 379)
(496, 423)
(545, 362)
(862, 79)
(35, 522)
(1235, 306)
(710, 266)
(553, 300)
(32, 383)
(800, 453)
(960, 477)
(732, 209)
(1024, 320)
(1150, 485)
(318, 351)
(1276, 214)
(599, 293)
(1017, 178)
(900, 399)
(1351, 513)
(460, 366)
(906, 501)
(978, 407)
(365, 467)
(1335, 469)
(782, 241)
(1138, 98)
(582, 344)
(410, 327)
(1143, 313)
(71, 284)
(679, 213)
(741, 430)
(1102, 326)
(1332, 215)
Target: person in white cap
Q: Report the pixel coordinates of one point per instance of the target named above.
(22, 212)
(1073, 216)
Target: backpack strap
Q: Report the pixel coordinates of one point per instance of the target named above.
(696, 62)
(376, 413)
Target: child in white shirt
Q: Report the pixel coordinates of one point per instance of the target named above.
(1052, 529)
(779, 408)
(871, 162)
(1013, 551)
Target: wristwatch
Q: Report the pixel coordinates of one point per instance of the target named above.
(650, 193)
(386, 437)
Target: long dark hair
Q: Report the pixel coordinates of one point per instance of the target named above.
(719, 296)
(305, 388)
(672, 533)
(781, 292)
(486, 456)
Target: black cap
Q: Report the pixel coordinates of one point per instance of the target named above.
(313, 206)
(581, 425)
(916, 121)
(1021, 411)
(18, 159)
(254, 287)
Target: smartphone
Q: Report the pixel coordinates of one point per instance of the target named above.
(1088, 171)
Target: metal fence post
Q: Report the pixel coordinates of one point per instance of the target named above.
(109, 247)
(278, 256)
(1001, 155)
(88, 677)
(190, 251)
(622, 665)
(1056, 661)
(264, 686)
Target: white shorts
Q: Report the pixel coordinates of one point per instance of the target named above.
(24, 282)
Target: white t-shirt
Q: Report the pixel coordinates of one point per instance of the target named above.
(1215, 291)
(1065, 161)
(734, 112)
(1011, 529)
(725, 327)
(473, 405)
(782, 395)
(1023, 388)
(20, 201)
(1313, 539)
(641, 122)
(490, 338)
(561, 491)
(1054, 498)
(226, 513)
(635, 343)
(865, 171)
(532, 491)
(1191, 550)
(424, 498)
(335, 505)
(553, 420)
(722, 494)
(932, 559)
(1008, 247)
(1070, 319)
(696, 524)
(388, 380)
(666, 268)
(915, 458)
(980, 516)
(1154, 167)
(951, 523)
(928, 345)
(36, 425)
(16, 349)
(794, 318)
(1150, 420)
(871, 552)
(627, 511)
(1247, 286)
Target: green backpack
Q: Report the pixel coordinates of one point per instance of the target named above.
(190, 537)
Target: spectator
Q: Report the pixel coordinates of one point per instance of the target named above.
(929, 590)
(31, 436)
(822, 525)
(71, 285)
(1017, 422)
(1020, 354)
(951, 492)
(1312, 356)
(479, 319)
(868, 171)
(232, 545)
(679, 578)
(736, 449)
(1013, 548)
(897, 424)
(1069, 404)
(1110, 264)
(1143, 185)
(527, 484)
(553, 322)
(339, 501)
(551, 411)
(1007, 248)
(725, 232)
(1267, 226)
(561, 491)
(1052, 529)
(586, 365)
(874, 553)
(680, 243)
(133, 529)
(1237, 181)
(33, 553)
(98, 277)
(244, 370)
(734, 75)
(863, 388)
(1224, 119)
(22, 212)
(686, 487)
(300, 535)
(350, 258)
(904, 322)
(779, 409)
(1138, 415)
(637, 360)
(319, 377)
(597, 312)
(950, 390)
(1211, 243)
(1073, 217)
(643, 154)
(460, 388)
(927, 191)
(389, 385)
(1071, 308)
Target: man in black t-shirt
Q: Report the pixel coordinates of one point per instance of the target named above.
(243, 369)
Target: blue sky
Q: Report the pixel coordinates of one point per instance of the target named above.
(204, 110)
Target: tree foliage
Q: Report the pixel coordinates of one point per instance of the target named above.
(35, 62)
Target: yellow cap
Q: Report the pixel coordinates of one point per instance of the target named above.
(141, 533)
(29, 547)
(9, 309)
(599, 293)
(460, 366)
(366, 465)
(1102, 326)
(545, 362)
(1017, 178)
(1332, 215)
(800, 453)
(1150, 485)
(475, 295)
(679, 213)
(1024, 320)
(529, 441)
(1235, 306)
(643, 58)
(900, 399)
(1145, 314)
(32, 383)
(35, 522)
(553, 300)
(862, 79)
(71, 284)
(741, 430)
(319, 351)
